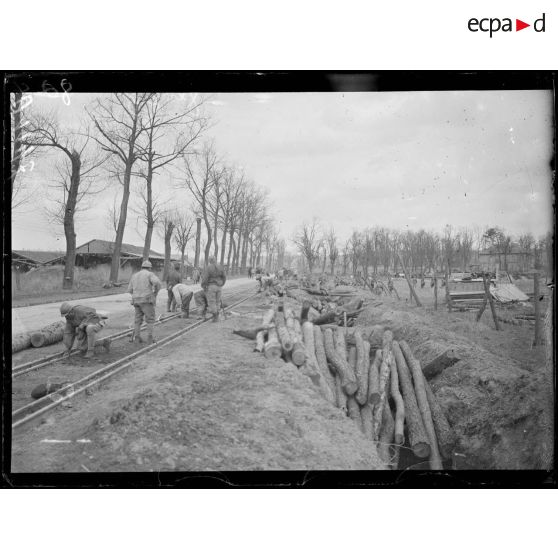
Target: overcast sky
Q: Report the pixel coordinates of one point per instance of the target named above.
(401, 160)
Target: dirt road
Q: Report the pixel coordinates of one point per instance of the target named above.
(35, 317)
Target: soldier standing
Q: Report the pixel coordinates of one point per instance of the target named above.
(213, 279)
(144, 286)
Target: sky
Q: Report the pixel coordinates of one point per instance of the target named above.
(404, 160)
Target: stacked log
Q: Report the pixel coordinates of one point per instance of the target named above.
(361, 368)
(21, 342)
(49, 334)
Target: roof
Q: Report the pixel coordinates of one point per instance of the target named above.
(37, 257)
(508, 293)
(96, 246)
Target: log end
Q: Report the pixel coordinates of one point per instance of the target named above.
(361, 399)
(374, 398)
(272, 351)
(350, 387)
(421, 449)
(298, 356)
(37, 339)
(399, 439)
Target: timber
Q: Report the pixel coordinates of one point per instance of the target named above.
(424, 407)
(21, 342)
(384, 382)
(322, 361)
(340, 395)
(283, 333)
(341, 366)
(354, 411)
(374, 379)
(49, 334)
(304, 311)
(367, 418)
(311, 366)
(341, 343)
(440, 363)
(399, 433)
(376, 337)
(251, 333)
(361, 368)
(445, 435)
(272, 349)
(386, 439)
(418, 439)
(260, 342)
(298, 354)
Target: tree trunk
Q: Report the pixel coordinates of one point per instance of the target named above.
(374, 379)
(148, 208)
(49, 334)
(223, 241)
(411, 288)
(386, 439)
(272, 349)
(367, 418)
(198, 242)
(422, 400)
(322, 361)
(418, 439)
(182, 250)
(399, 404)
(444, 434)
(115, 263)
(435, 292)
(169, 228)
(341, 366)
(362, 348)
(230, 251)
(69, 214)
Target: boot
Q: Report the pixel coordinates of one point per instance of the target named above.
(90, 343)
(150, 334)
(137, 337)
(106, 344)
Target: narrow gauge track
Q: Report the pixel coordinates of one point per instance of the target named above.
(26, 367)
(113, 363)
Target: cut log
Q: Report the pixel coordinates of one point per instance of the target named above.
(354, 411)
(272, 349)
(384, 383)
(298, 354)
(386, 437)
(283, 333)
(444, 433)
(361, 370)
(340, 395)
(327, 317)
(304, 311)
(49, 334)
(322, 361)
(251, 333)
(374, 378)
(422, 400)
(440, 363)
(367, 418)
(341, 366)
(399, 434)
(376, 337)
(341, 343)
(418, 439)
(21, 342)
(260, 342)
(312, 368)
(268, 318)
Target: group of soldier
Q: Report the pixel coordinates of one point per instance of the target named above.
(84, 322)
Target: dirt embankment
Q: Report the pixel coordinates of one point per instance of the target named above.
(498, 405)
(208, 403)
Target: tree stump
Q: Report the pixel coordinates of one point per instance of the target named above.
(422, 400)
(418, 439)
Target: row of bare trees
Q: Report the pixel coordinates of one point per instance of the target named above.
(378, 249)
(144, 141)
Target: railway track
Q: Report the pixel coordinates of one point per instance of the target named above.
(28, 412)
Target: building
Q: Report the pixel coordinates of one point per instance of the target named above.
(515, 260)
(96, 252)
(24, 260)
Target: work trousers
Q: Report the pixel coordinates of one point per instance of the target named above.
(213, 294)
(144, 310)
(86, 337)
(185, 304)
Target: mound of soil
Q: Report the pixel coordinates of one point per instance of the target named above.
(497, 408)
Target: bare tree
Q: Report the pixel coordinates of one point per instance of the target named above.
(167, 224)
(120, 120)
(184, 224)
(200, 181)
(21, 151)
(331, 240)
(307, 239)
(45, 132)
(157, 153)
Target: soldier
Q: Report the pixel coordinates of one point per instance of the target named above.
(182, 296)
(173, 278)
(213, 279)
(144, 286)
(85, 323)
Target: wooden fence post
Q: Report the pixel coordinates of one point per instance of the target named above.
(411, 289)
(435, 292)
(536, 295)
(486, 282)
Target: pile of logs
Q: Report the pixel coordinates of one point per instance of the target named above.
(374, 379)
(48, 335)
